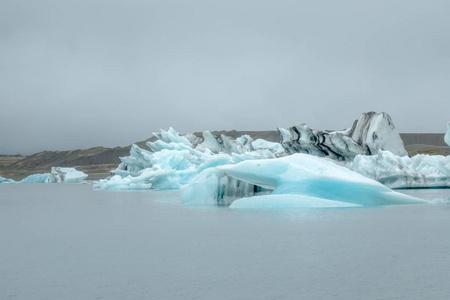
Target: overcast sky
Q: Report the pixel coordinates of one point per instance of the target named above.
(78, 74)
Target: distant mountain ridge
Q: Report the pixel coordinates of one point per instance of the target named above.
(99, 161)
(433, 139)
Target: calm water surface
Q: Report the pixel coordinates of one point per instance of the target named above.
(63, 241)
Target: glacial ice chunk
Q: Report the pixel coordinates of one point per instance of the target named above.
(170, 170)
(6, 180)
(172, 136)
(299, 180)
(58, 174)
(369, 134)
(210, 142)
(420, 171)
(274, 148)
(116, 182)
(376, 131)
(36, 178)
(174, 160)
(447, 135)
(66, 175)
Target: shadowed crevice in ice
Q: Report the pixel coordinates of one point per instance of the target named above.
(214, 187)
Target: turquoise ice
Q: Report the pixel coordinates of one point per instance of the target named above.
(299, 180)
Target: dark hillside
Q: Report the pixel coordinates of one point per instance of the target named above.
(97, 162)
(435, 139)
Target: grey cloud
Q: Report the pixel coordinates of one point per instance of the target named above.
(77, 74)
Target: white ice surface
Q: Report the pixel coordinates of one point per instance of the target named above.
(36, 178)
(174, 161)
(382, 135)
(403, 171)
(66, 175)
(261, 144)
(447, 135)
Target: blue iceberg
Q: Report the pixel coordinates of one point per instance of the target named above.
(6, 180)
(299, 180)
(247, 173)
(174, 160)
(36, 178)
(57, 175)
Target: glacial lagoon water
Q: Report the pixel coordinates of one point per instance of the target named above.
(68, 241)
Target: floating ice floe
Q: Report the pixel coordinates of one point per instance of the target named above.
(36, 178)
(299, 180)
(6, 180)
(422, 170)
(57, 175)
(66, 175)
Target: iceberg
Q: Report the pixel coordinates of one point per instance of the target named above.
(242, 145)
(174, 160)
(172, 163)
(6, 180)
(394, 171)
(36, 178)
(298, 180)
(371, 147)
(58, 174)
(447, 135)
(420, 171)
(66, 175)
(369, 134)
(158, 178)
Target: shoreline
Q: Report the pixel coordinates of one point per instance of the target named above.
(97, 162)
